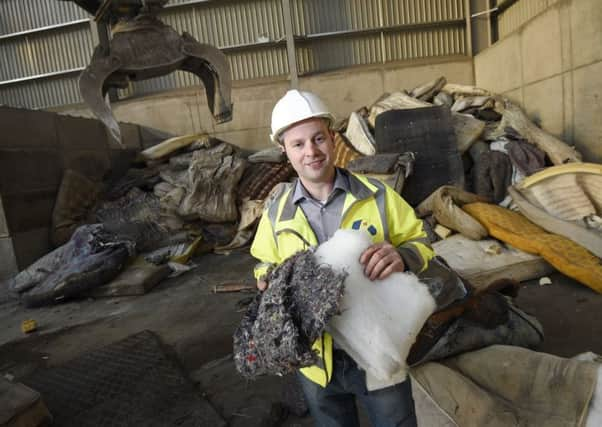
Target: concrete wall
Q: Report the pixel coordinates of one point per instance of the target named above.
(8, 263)
(552, 65)
(185, 111)
(35, 148)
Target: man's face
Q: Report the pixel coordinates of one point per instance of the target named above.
(309, 146)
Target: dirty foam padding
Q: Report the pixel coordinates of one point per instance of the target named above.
(129, 383)
(563, 254)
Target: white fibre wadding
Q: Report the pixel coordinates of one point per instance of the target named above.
(379, 319)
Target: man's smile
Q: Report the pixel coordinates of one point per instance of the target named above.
(315, 163)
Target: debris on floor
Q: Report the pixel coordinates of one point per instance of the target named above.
(28, 326)
(545, 281)
(234, 287)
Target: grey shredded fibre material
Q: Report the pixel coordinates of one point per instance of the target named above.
(280, 325)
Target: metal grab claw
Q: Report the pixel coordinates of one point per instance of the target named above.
(143, 48)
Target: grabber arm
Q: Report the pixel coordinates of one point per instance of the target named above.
(211, 66)
(91, 86)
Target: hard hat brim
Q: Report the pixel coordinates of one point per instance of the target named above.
(275, 137)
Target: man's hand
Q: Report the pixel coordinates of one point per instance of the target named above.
(380, 260)
(262, 285)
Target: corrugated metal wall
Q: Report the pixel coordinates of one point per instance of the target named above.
(519, 13)
(39, 66)
(341, 33)
(22, 15)
(44, 44)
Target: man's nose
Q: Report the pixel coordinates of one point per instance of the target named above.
(311, 148)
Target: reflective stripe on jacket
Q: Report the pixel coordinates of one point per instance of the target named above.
(369, 205)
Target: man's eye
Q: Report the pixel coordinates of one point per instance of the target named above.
(319, 138)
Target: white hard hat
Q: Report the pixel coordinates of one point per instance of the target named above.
(294, 107)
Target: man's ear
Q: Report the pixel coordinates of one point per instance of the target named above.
(281, 145)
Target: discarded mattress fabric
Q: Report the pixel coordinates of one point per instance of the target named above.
(212, 179)
(590, 239)
(485, 261)
(445, 205)
(527, 158)
(492, 175)
(343, 151)
(135, 206)
(359, 136)
(269, 155)
(392, 168)
(250, 212)
(487, 319)
(443, 283)
(276, 333)
(174, 144)
(385, 163)
(428, 132)
(501, 386)
(563, 254)
(566, 201)
(93, 256)
(514, 117)
(259, 178)
(427, 91)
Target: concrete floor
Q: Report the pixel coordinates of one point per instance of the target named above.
(570, 313)
(199, 324)
(183, 311)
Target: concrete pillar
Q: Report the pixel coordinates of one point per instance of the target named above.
(290, 44)
(480, 27)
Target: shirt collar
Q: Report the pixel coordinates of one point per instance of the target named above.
(341, 182)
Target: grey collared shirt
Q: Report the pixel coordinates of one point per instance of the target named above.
(324, 217)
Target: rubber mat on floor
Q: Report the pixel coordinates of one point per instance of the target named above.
(133, 382)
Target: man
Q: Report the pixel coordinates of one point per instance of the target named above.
(307, 213)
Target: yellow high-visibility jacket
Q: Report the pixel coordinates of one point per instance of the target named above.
(369, 205)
